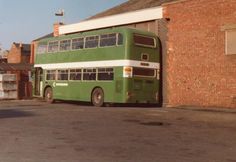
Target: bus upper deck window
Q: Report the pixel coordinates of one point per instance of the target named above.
(91, 42)
(53, 46)
(120, 39)
(42, 48)
(65, 45)
(77, 43)
(107, 40)
(146, 41)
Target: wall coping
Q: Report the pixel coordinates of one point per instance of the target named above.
(228, 27)
(174, 2)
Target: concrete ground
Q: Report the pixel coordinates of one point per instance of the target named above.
(34, 131)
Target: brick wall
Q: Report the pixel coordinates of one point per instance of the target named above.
(56, 29)
(14, 55)
(32, 51)
(18, 54)
(198, 71)
(25, 58)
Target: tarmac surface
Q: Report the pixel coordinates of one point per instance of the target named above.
(35, 131)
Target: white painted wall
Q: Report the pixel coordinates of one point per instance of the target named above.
(114, 20)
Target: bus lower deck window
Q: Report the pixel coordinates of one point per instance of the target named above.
(89, 74)
(62, 75)
(105, 74)
(50, 74)
(75, 74)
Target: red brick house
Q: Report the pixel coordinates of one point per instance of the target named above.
(18, 62)
(19, 53)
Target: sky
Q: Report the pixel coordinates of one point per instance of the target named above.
(26, 20)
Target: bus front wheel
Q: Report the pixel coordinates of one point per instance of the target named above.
(49, 95)
(97, 97)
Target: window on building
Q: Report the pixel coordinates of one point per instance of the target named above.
(230, 41)
(105, 74)
(75, 74)
(65, 45)
(50, 74)
(77, 43)
(53, 46)
(62, 75)
(89, 74)
(91, 42)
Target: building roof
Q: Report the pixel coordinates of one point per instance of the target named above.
(131, 5)
(25, 47)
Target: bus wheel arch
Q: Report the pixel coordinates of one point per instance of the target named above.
(97, 97)
(48, 94)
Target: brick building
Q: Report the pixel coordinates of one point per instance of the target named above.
(199, 49)
(19, 53)
(201, 53)
(198, 37)
(18, 62)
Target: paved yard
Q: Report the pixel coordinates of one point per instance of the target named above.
(34, 131)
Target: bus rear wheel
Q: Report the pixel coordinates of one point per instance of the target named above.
(97, 97)
(48, 95)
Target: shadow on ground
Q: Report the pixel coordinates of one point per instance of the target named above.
(120, 105)
(12, 113)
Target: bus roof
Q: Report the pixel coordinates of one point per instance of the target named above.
(99, 31)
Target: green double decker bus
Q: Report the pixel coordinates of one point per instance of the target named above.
(114, 65)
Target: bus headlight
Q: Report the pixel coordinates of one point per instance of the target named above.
(127, 72)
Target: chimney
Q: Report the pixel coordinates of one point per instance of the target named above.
(56, 28)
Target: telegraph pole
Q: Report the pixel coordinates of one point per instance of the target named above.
(61, 13)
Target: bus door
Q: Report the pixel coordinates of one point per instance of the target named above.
(38, 83)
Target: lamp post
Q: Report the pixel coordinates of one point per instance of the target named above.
(61, 13)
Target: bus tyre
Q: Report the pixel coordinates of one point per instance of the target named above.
(49, 95)
(98, 97)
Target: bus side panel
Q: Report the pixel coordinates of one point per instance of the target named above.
(81, 91)
(109, 53)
